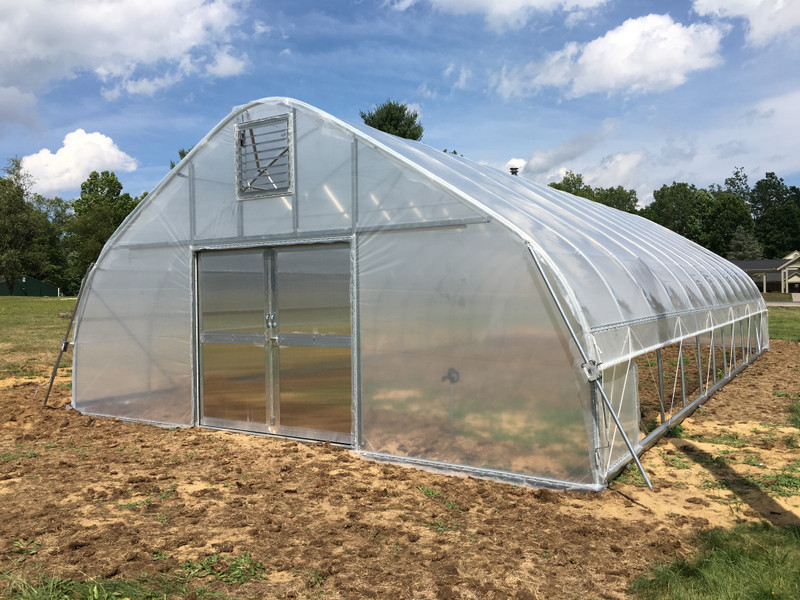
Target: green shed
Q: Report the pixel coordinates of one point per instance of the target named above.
(28, 286)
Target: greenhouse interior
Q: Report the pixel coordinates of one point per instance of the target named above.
(303, 277)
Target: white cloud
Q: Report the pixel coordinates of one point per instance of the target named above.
(259, 27)
(460, 75)
(624, 168)
(548, 163)
(651, 53)
(414, 107)
(766, 19)
(80, 154)
(517, 163)
(136, 46)
(15, 106)
(146, 86)
(424, 91)
(503, 14)
(226, 64)
(753, 137)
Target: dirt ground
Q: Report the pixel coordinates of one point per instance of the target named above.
(106, 498)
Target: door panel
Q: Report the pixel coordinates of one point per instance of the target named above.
(275, 340)
(233, 383)
(313, 322)
(315, 388)
(232, 288)
(313, 287)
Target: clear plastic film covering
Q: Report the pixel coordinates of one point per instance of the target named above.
(324, 193)
(464, 358)
(459, 354)
(620, 385)
(620, 269)
(133, 353)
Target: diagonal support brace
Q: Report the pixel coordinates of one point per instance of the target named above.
(592, 370)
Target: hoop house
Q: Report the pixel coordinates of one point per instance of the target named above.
(299, 276)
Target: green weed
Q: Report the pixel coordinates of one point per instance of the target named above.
(676, 431)
(45, 587)
(794, 413)
(676, 461)
(429, 492)
(442, 527)
(631, 476)
(314, 579)
(24, 548)
(785, 482)
(752, 460)
(235, 569)
(170, 491)
(727, 439)
(9, 456)
(132, 505)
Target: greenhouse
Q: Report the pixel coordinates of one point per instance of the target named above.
(303, 277)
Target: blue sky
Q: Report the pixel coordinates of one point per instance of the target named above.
(635, 93)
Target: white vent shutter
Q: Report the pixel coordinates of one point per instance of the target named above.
(264, 157)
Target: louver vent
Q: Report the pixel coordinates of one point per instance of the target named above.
(264, 157)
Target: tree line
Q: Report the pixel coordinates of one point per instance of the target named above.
(735, 220)
(52, 239)
(56, 240)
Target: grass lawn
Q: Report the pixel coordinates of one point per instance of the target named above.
(31, 333)
(784, 323)
(753, 560)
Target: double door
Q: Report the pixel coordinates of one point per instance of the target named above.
(274, 337)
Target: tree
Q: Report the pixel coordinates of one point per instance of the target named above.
(724, 214)
(680, 207)
(776, 214)
(101, 208)
(573, 183)
(182, 152)
(737, 184)
(395, 118)
(744, 246)
(615, 197)
(24, 236)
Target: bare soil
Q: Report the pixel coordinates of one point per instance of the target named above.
(107, 498)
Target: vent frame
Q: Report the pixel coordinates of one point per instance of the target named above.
(265, 157)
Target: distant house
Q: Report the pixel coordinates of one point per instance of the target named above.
(774, 275)
(28, 286)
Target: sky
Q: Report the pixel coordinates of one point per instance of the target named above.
(638, 93)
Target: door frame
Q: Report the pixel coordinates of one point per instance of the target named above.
(352, 439)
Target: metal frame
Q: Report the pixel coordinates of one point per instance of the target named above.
(730, 370)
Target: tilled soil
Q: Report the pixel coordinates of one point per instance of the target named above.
(107, 498)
